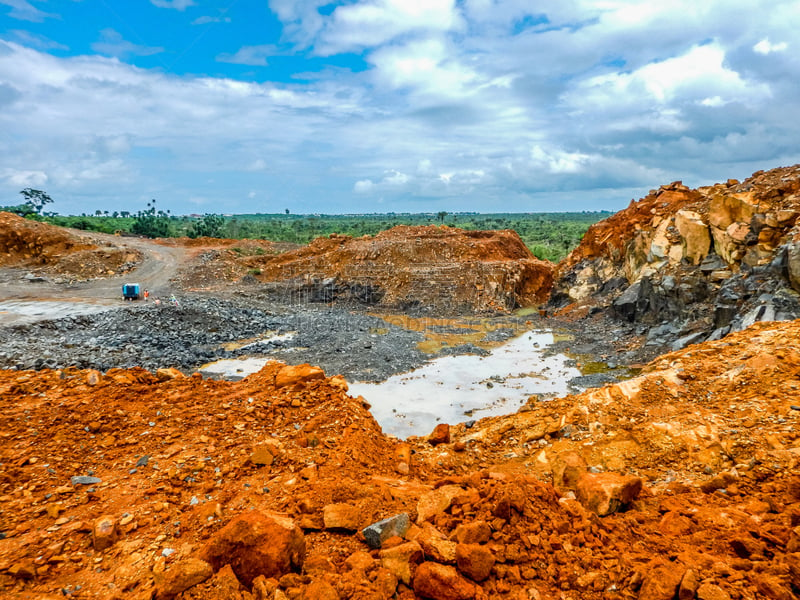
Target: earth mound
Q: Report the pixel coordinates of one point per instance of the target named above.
(700, 262)
(59, 252)
(679, 483)
(440, 268)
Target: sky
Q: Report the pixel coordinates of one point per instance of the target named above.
(364, 106)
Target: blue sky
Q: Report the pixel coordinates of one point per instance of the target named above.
(390, 105)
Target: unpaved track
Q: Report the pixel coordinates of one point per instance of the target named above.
(159, 265)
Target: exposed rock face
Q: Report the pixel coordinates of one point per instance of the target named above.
(443, 268)
(701, 262)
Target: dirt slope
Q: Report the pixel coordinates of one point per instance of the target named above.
(58, 251)
(406, 267)
(694, 465)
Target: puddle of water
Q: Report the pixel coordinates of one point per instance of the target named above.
(17, 312)
(233, 369)
(270, 336)
(453, 389)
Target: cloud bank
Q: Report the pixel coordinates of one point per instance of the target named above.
(487, 105)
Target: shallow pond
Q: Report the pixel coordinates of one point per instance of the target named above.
(453, 389)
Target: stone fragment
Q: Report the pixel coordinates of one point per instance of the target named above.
(435, 545)
(474, 560)
(341, 516)
(689, 585)
(440, 435)
(256, 544)
(359, 561)
(605, 493)
(167, 374)
(85, 480)
(710, 591)
(661, 582)
(379, 532)
(262, 456)
(104, 532)
(436, 502)
(695, 235)
(477, 532)
(180, 576)
(24, 569)
(399, 559)
(567, 468)
(295, 374)
(442, 582)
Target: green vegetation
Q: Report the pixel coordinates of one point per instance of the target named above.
(35, 201)
(549, 236)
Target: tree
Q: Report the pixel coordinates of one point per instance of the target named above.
(441, 215)
(36, 198)
(151, 223)
(287, 211)
(209, 226)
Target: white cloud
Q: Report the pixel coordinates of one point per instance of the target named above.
(25, 179)
(33, 40)
(364, 186)
(766, 47)
(375, 22)
(205, 20)
(476, 104)
(176, 4)
(113, 44)
(250, 55)
(25, 11)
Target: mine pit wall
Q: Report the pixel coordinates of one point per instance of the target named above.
(715, 259)
(435, 269)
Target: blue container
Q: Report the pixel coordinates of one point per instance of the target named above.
(130, 291)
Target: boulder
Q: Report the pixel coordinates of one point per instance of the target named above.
(442, 582)
(440, 435)
(661, 582)
(379, 532)
(341, 516)
(695, 236)
(399, 559)
(436, 502)
(297, 374)
(256, 544)
(605, 493)
(104, 532)
(182, 575)
(474, 560)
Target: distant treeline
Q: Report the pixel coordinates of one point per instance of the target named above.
(550, 236)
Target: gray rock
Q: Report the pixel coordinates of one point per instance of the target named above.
(85, 480)
(379, 532)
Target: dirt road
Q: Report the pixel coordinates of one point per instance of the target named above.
(24, 299)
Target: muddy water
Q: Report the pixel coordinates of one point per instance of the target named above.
(453, 389)
(19, 312)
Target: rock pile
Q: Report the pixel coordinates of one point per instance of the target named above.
(681, 483)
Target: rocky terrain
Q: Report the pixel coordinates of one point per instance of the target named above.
(691, 265)
(124, 477)
(681, 483)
